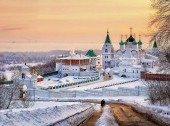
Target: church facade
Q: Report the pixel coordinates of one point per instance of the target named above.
(129, 60)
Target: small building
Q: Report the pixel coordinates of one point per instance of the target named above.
(74, 65)
(24, 77)
(39, 78)
(92, 55)
(98, 62)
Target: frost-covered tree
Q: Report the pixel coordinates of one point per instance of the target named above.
(158, 92)
(7, 94)
(164, 60)
(160, 22)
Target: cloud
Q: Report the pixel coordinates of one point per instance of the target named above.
(7, 28)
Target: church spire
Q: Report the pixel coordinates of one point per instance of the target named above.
(131, 31)
(155, 44)
(107, 38)
(140, 42)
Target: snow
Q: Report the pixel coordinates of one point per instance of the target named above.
(114, 81)
(8, 75)
(127, 85)
(46, 116)
(42, 104)
(106, 118)
(51, 82)
(76, 57)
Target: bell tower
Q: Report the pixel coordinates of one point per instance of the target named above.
(107, 52)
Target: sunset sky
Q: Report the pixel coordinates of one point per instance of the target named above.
(43, 25)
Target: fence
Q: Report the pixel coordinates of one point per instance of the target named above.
(121, 91)
(74, 83)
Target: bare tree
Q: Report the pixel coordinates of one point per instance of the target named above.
(7, 94)
(160, 22)
(164, 60)
(158, 92)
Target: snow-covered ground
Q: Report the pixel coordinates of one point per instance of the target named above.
(42, 104)
(21, 64)
(58, 115)
(106, 118)
(115, 80)
(127, 85)
(52, 82)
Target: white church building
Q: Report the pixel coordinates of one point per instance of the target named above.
(25, 78)
(129, 60)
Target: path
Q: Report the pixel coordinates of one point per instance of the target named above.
(124, 115)
(93, 119)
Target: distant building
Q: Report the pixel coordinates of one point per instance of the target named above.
(75, 65)
(24, 77)
(92, 55)
(99, 62)
(129, 60)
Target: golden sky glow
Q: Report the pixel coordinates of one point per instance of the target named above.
(43, 25)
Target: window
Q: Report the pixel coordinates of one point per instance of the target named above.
(106, 50)
(23, 76)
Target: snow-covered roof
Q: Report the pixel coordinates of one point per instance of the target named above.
(8, 75)
(107, 70)
(76, 56)
(147, 60)
(137, 66)
(25, 67)
(39, 76)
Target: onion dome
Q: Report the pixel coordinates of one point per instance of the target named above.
(140, 42)
(134, 42)
(130, 39)
(121, 42)
(125, 43)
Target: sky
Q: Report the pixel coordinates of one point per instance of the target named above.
(44, 25)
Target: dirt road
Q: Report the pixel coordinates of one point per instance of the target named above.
(93, 119)
(125, 116)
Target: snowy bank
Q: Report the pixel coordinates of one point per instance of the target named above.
(67, 115)
(106, 118)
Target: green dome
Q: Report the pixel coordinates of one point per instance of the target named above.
(107, 40)
(125, 43)
(121, 43)
(91, 53)
(140, 42)
(134, 43)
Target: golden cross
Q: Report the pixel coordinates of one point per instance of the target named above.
(131, 30)
(121, 36)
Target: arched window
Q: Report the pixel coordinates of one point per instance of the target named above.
(106, 50)
(23, 76)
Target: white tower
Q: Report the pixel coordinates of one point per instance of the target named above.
(122, 44)
(107, 52)
(140, 43)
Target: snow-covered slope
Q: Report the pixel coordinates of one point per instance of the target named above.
(58, 115)
(106, 118)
